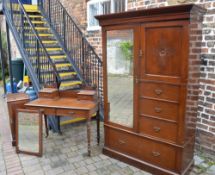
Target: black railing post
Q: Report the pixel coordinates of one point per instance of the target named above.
(9, 57)
(40, 3)
(38, 60)
(49, 13)
(2, 64)
(22, 28)
(64, 29)
(98, 81)
(83, 58)
(11, 11)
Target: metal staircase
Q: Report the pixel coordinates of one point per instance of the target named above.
(53, 48)
(24, 31)
(39, 48)
(67, 71)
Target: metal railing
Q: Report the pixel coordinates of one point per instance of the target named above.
(43, 67)
(74, 43)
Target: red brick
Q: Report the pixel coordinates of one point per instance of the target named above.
(212, 129)
(201, 126)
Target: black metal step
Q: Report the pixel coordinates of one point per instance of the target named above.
(36, 25)
(59, 71)
(45, 46)
(68, 78)
(33, 44)
(43, 34)
(61, 61)
(33, 13)
(51, 54)
(50, 50)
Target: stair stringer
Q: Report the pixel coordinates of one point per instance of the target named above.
(23, 53)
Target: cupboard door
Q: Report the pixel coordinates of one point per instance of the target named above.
(165, 49)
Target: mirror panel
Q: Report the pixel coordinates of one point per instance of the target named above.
(29, 132)
(120, 76)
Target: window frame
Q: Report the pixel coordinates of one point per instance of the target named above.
(94, 28)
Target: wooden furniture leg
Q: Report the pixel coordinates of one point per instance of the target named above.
(58, 125)
(98, 127)
(89, 136)
(46, 125)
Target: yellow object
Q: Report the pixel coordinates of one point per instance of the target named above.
(75, 120)
(63, 65)
(49, 42)
(26, 80)
(42, 28)
(36, 22)
(43, 41)
(54, 57)
(35, 16)
(57, 56)
(40, 34)
(48, 49)
(67, 74)
(31, 8)
(72, 83)
(54, 49)
(28, 8)
(37, 28)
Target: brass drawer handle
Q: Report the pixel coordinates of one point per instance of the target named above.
(155, 154)
(158, 91)
(158, 110)
(121, 142)
(156, 129)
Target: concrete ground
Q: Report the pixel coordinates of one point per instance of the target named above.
(65, 155)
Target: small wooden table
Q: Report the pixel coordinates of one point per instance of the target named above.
(69, 107)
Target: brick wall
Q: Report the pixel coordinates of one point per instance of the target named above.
(206, 47)
(15, 54)
(78, 10)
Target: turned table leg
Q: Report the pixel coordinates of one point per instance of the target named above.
(46, 125)
(58, 126)
(89, 136)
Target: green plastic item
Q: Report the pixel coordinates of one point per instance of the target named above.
(17, 68)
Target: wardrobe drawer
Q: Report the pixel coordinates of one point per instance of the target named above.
(158, 109)
(157, 128)
(141, 148)
(161, 91)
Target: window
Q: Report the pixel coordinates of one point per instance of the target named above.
(98, 7)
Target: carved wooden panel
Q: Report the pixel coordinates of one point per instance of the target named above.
(163, 50)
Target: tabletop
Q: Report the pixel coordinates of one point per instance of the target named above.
(63, 103)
